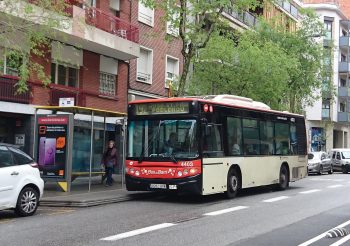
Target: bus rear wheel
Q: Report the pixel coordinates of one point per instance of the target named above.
(283, 178)
(233, 183)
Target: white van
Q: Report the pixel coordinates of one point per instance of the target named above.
(340, 160)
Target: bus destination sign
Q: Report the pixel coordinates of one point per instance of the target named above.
(162, 108)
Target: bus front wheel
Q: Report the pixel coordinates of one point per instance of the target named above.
(283, 178)
(233, 183)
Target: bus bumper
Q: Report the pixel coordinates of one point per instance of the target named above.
(189, 184)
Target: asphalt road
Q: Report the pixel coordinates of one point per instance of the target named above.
(297, 216)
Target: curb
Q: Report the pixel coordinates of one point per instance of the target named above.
(90, 203)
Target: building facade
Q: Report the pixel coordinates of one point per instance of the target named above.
(328, 119)
(160, 61)
(88, 61)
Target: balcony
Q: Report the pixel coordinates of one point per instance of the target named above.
(8, 91)
(58, 91)
(344, 91)
(87, 28)
(243, 16)
(343, 117)
(111, 24)
(344, 67)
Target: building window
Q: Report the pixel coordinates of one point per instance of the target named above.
(144, 66)
(66, 75)
(286, 6)
(107, 84)
(172, 70)
(146, 14)
(10, 64)
(170, 25)
(342, 107)
(326, 105)
(342, 82)
(328, 29)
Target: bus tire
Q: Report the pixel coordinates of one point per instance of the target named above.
(283, 178)
(233, 183)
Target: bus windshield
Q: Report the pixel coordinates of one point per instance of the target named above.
(162, 139)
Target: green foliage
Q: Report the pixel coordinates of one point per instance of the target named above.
(26, 31)
(281, 69)
(196, 21)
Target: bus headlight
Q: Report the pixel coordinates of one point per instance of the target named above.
(137, 173)
(185, 172)
(193, 171)
(132, 171)
(179, 173)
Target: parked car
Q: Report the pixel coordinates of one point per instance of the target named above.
(341, 160)
(319, 162)
(20, 184)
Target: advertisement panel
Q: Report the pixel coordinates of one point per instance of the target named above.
(52, 145)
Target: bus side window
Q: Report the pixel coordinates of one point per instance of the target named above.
(212, 144)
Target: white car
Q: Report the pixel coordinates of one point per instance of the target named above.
(20, 184)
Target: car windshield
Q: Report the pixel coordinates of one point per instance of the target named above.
(345, 154)
(159, 139)
(310, 156)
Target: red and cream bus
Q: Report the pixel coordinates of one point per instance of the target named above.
(212, 144)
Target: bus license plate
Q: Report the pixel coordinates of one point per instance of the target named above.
(157, 186)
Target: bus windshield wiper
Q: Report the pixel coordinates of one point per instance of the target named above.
(172, 157)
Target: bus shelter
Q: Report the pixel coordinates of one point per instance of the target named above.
(69, 143)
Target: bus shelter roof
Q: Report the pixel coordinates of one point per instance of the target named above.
(83, 110)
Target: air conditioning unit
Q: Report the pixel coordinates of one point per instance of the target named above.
(114, 4)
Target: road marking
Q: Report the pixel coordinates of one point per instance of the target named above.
(320, 179)
(137, 232)
(309, 191)
(334, 186)
(341, 241)
(276, 199)
(312, 240)
(228, 210)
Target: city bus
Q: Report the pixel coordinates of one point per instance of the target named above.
(212, 144)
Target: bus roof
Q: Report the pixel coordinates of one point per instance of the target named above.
(224, 100)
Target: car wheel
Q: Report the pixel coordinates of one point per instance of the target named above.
(320, 170)
(283, 178)
(27, 202)
(344, 169)
(330, 170)
(233, 183)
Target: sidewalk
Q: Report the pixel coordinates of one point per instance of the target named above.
(81, 197)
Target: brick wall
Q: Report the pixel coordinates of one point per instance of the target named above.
(153, 38)
(343, 4)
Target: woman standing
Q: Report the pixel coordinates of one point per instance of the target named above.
(109, 160)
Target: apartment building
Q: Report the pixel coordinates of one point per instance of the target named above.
(160, 61)
(328, 119)
(89, 62)
(284, 12)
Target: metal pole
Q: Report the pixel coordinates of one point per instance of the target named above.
(124, 150)
(34, 140)
(91, 147)
(104, 134)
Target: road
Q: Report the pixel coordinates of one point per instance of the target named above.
(260, 216)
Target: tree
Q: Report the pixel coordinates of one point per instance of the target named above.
(196, 21)
(279, 68)
(250, 68)
(27, 28)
